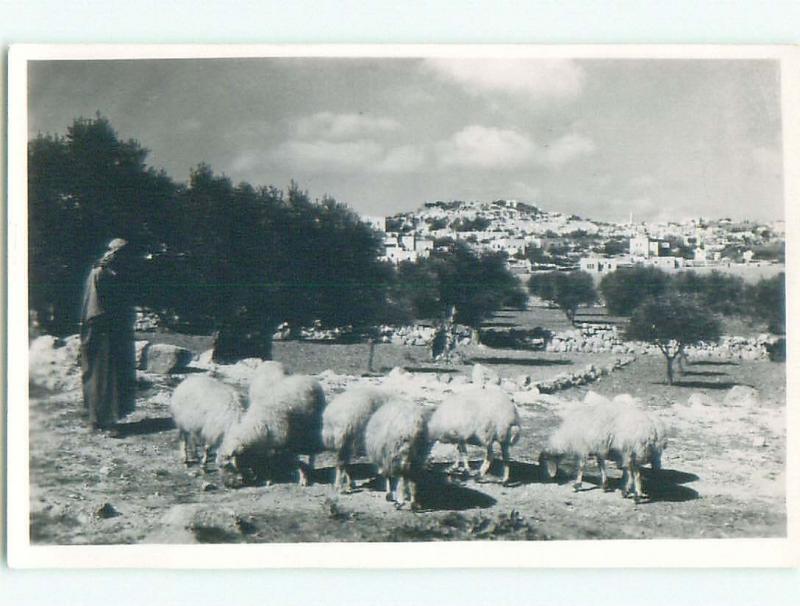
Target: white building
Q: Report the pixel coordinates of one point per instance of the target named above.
(598, 265)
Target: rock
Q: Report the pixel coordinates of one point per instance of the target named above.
(508, 385)
(162, 358)
(700, 399)
(742, 395)
(209, 487)
(525, 397)
(141, 350)
(107, 510)
(54, 363)
(592, 397)
(482, 375)
(205, 359)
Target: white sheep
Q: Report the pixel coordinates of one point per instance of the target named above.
(397, 443)
(617, 429)
(204, 409)
(478, 416)
(284, 416)
(343, 424)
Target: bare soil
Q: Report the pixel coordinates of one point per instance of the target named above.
(723, 476)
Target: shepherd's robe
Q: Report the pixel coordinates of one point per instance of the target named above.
(108, 359)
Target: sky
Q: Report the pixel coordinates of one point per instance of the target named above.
(663, 139)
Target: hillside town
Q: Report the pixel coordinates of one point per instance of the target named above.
(534, 239)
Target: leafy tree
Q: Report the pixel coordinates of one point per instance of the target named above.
(672, 322)
(615, 247)
(83, 189)
(568, 290)
(624, 289)
(767, 301)
(720, 292)
(475, 284)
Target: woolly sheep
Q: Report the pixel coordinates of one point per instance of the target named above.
(617, 429)
(204, 409)
(397, 443)
(343, 424)
(478, 416)
(284, 416)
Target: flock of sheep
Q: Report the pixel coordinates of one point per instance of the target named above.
(286, 416)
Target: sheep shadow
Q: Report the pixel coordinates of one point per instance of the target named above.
(145, 426)
(436, 490)
(522, 361)
(665, 485)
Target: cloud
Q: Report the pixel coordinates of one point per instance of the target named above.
(491, 148)
(329, 156)
(403, 159)
(534, 78)
(566, 149)
(327, 125)
(485, 147)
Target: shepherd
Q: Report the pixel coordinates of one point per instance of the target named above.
(107, 348)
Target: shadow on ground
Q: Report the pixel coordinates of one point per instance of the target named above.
(145, 426)
(522, 361)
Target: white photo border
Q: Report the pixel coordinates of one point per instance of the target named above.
(676, 553)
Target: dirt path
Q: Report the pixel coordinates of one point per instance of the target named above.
(724, 477)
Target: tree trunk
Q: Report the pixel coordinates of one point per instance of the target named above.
(669, 369)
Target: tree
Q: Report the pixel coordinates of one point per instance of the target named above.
(475, 284)
(766, 300)
(671, 323)
(568, 290)
(624, 289)
(719, 292)
(85, 188)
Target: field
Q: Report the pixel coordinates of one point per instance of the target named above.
(724, 469)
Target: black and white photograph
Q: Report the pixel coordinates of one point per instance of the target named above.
(502, 297)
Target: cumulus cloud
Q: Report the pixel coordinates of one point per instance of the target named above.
(496, 148)
(567, 148)
(330, 156)
(485, 147)
(328, 125)
(534, 78)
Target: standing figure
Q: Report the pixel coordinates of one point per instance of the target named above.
(108, 359)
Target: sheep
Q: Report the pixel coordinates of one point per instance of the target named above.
(204, 409)
(396, 442)
(284, 416)
(617, 429)
(478, 416)
(343, 424)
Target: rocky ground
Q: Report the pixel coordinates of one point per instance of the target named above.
(724, 469)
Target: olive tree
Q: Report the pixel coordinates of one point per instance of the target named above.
(568, 290)
(671, 323)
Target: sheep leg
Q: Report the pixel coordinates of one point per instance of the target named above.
(400, 491)
(487, 460)
(184, 438)
(506, 462)
(655, 461)
(601, 463)
(638, 493)
(389, 496)
(579, 478)
(206, 453)
(412, 485)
